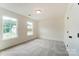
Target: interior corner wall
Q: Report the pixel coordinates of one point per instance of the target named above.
(52, 29)
(22, 30)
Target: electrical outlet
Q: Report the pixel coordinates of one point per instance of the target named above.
(78, 35)
(70, 36)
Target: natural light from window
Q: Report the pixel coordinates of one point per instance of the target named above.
(29, 28)
(9, 28)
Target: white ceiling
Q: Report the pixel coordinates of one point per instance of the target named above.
(47, 9)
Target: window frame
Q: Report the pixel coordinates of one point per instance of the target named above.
(30, 28)
(12, 37)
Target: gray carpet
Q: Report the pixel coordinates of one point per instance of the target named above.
(38, 47)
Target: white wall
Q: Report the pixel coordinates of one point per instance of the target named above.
(72, 25)
(0, 27)
(52, 28)
(22, 31)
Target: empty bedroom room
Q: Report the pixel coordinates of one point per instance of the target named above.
(38, 29)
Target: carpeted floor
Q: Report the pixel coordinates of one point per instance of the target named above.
(38, 47)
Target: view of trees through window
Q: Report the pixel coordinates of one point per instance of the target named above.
(9, 27)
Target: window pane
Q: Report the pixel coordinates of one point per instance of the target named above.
(9, 27)
(29, 28)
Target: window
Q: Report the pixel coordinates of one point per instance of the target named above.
(29, 28)
(9, 27)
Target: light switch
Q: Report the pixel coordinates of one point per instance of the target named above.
(67, 45)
